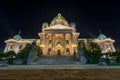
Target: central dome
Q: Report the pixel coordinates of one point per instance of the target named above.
(59, 19)
(59, 26)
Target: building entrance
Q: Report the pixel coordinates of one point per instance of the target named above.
(58, 52)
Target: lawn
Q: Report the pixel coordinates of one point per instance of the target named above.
(113, 64)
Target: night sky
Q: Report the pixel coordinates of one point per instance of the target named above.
(89, 16)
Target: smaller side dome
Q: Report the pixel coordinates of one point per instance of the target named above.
(73, 26)
(44, 25)
(101, 36)
(17, 37)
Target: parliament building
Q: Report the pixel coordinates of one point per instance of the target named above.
(58, 38)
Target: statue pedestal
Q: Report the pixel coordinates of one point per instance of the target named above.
(32, 57)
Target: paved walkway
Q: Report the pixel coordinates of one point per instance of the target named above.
(56, 67)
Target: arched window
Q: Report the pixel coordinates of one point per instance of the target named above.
(20, 47)
(49, 51)
(67, 51)
(10, 47)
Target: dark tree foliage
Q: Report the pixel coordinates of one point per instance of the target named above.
(39, 51)
(2, 55)
(116, 55)
(92, 52)
(1, 51)
(23, 54)
(10, 56)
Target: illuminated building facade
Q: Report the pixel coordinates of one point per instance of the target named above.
(58, 38)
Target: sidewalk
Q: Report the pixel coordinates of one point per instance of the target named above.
(56, 67)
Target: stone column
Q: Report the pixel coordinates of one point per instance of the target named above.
(52, 45)
(6, 48)
(112, 47)
(71, 42)
(64, 44)
(45, 44)
(105, 48)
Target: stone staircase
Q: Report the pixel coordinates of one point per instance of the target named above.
(55, 60)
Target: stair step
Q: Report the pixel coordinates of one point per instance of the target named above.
(56, 60)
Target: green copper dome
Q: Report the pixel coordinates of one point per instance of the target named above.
(17, 37)
(101, 36)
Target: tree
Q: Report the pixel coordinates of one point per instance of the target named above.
(116, 55)
(10, 56)
(1, 51)
(2, 55)
(39, 51)
(92, 52)
(24, 53)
